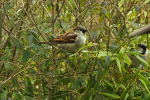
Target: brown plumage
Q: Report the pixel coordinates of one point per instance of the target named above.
(68, 37)
(70, 41)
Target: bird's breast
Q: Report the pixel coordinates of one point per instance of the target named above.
(80, 41)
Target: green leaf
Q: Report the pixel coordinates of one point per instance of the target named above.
(29, 88)
(109, 83)
(107, 61)
(3, 94)
(118, 64)
(121, 53)
(34, 33)
(137, 8)
(147, 1)
(18, 43)
(145, 86)
(133, 14)
(97, 82)
(50, 18)
(108, 15)
(141, 59)
(76, 84)
(66, 81)
(117, 8)
(4, 58)
(9, 44)
(8, 68)
(44, 27)
(120, 86)
(126, 96)
(48, 30)
(90, 83)
(30, 39)
(104, 53)
(132, 91)
(12, 22)
(113, 47)
(145, 13)
(94, 34)
(34, 46)
(15, 82)
(133, 53)
(63, 23)
(37, 82)
(101, 17)
(121, 3)
(127, 59)
(17, 96)
(101, 75)
(142, 78)
(147, 97)
(111, 95)
(25, 56)
(9, 6)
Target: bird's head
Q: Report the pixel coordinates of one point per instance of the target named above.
(142, 45)
(80, 28)
(142, 48)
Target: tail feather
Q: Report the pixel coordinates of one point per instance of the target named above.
(49, 43)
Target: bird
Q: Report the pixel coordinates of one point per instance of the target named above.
(141, 31)
(142, 49)
(70, 41)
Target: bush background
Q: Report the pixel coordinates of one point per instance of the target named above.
(101, 71)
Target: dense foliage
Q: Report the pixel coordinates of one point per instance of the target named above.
(99, 70)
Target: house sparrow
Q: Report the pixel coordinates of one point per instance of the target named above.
(141, 31)
(142, 49)
(70, 41)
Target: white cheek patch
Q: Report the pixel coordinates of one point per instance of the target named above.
(140, 50)
(147, 53)
(78, 32)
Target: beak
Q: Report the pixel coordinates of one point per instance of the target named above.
(85, 30)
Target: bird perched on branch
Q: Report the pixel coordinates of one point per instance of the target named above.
(142, 49)
(70, 41)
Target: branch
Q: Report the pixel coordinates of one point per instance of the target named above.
(141, 31)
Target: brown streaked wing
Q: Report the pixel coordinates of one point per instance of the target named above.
(68, 37)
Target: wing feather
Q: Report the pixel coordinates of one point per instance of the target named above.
(68, 37)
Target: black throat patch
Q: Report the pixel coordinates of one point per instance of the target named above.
(144, 51)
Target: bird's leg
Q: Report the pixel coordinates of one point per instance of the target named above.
(79, 52)
(57, 52)
(66, 56)
(142, 67)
